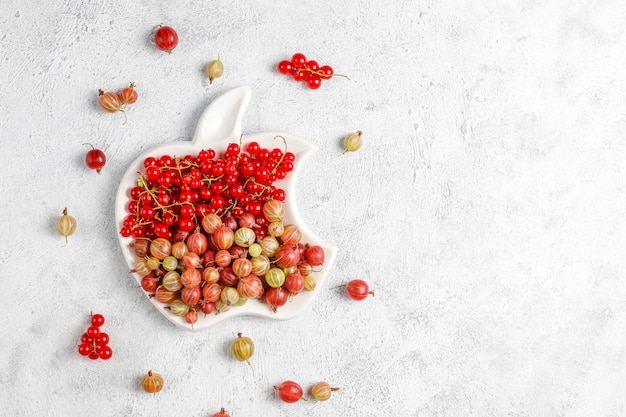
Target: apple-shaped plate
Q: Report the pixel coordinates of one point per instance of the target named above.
(219, 125)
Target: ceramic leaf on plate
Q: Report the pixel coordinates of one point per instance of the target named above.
(219, 126)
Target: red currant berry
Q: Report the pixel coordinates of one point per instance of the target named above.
(93, 331)
(328, 72)
(186, 225)
(149, 161)
(298, 60)
(166, 161)
(314, 81)
(187, 211)
(299, 75)
(284, 67)
(97, 320)
(276, 154)
(217, 202)
(102, 339)
(278, 194)
(135, 192)
(313, 65)
(233, 148)
(84, 349)
(253, 148)
(105, 352)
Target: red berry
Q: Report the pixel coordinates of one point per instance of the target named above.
(328, 72)
(289, 391)
(298, 60)
(97, 320)
(284, 67)
(313, 66)
(299, 75)
(166, 39)
(105, 352)
(358, 290)
(93, 331)
(95, 159)
(314, 81)
(84, 349)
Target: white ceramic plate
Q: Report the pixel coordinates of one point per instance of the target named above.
(219, 125)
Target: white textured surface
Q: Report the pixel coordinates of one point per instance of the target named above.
(486, 207)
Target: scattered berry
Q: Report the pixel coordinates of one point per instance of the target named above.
(128, 95)
(289, 391)
(152, 382)
(95, 159)
(214, 69)
(353, 141)
(165, 38)
(66, 225)
(111, 103)
(322, 391)
(358, 290)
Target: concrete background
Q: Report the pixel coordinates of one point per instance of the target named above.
(485, 208)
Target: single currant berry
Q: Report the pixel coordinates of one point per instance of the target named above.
(166, 39)
(95, 159)
(105, 352)
(97, 320)
(85, 349)
(284, 67)
(298, 60)
(314, 81)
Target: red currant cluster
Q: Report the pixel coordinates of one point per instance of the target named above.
(308, 71)
(95, 343)
(174, 194)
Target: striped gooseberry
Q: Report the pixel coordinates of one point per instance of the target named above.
(322, 391)
(275, 277)
(287, 256)
(291, 235)
(250, 286)
(289, 391)
(224, 237)
(191, 295)
(276, 297)
(160, 248)
(274, 210)
(314, 255)
(242, 267)
(152, 382)
(211, 223)
(242, 348)
(358, 290)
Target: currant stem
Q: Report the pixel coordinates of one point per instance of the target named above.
(280, 161)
